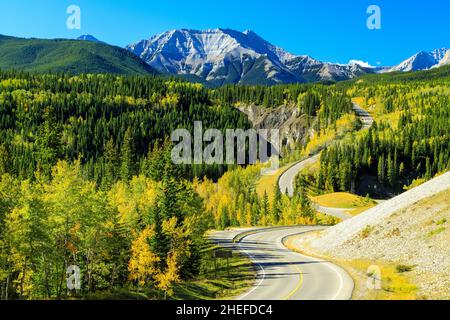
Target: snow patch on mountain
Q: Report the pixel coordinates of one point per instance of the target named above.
(221, 56)
(445, 59)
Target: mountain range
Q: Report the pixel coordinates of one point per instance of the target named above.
(222, 56)
(214, 57)
(88, 37)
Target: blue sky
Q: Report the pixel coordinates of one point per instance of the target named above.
(329, 30)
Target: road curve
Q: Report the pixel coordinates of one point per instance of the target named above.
(364, 116)
(286, 182)
(284, 274)
(335, 212)
(287, 179)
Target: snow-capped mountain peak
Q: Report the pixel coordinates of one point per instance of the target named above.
(361, 64)
(445, 59)
(422, 61)
(220, 56)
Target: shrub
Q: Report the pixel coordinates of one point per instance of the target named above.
(402, 268)
(366, 232)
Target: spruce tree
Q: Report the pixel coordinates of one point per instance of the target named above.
(127, 156)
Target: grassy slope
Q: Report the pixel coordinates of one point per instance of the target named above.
(70, 56)
(344, 200)
(268, 183)
(341, 200)
(220, 283)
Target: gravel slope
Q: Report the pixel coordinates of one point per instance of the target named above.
(348, 229)
(411, 229)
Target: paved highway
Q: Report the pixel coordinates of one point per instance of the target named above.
(286, 182)
(335, 212)
(284, 274)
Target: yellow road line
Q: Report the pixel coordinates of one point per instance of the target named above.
(298, 286)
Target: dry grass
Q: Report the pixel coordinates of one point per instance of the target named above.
(343, 200)
(355, 212)
(395, 285)
(268, 183)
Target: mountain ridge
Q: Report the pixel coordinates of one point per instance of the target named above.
(222, 56)
(88, 37)
(69, 56)
(423, 60)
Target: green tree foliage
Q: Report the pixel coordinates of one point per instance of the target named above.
(47, 118)
(410, 141)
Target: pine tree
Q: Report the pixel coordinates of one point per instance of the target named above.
(111, 165)
(224, 218)
(48, 142)
(265, 206)
(127, 157)
(276, 205)
(4, 160)
(381, 169)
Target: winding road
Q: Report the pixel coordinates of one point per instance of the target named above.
(287, 179)
(284, 274)
(286, 182)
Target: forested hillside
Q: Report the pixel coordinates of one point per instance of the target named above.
(68, 56)
(87, 180)
(409, 141)
(109, 123)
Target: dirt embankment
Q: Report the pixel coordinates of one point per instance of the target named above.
(409, 233)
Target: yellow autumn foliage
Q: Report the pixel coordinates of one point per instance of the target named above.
(143, 262)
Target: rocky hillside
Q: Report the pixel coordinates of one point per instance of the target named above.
(288, 119)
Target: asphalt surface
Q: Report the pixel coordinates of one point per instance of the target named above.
(365, 116)
(286, 182)
(284, 274)
(335, 212)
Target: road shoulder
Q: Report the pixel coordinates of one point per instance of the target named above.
(365, 286)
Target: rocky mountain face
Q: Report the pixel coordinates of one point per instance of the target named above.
(293, 125)
(445, 60)
(222, 56)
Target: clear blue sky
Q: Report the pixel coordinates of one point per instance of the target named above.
(329, 30)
